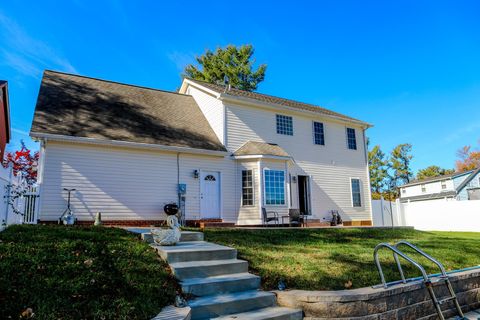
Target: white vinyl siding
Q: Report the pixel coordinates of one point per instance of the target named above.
(126, 183)
(329, 167)
(213, 110)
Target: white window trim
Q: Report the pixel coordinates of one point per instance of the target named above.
(253, 188)
(361, 192)
(284, 188)
(346, 138)
(313, 134)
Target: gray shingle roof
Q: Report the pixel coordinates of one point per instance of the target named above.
(79, 106)
(276, 100)
(260, 148)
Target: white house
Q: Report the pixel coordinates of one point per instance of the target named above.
(455, 186)
(128, 150)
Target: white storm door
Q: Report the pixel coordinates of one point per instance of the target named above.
(210, 194)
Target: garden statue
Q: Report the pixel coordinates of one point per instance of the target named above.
(168, 237)
(98, 219)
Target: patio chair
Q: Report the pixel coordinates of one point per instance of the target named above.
(269, 216)
(297, 218)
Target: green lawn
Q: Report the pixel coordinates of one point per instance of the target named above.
(80, 273)
(327, 259)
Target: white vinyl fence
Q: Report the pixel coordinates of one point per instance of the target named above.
(430, 215)
(27, 204)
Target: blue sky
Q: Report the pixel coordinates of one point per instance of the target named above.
(412, 68)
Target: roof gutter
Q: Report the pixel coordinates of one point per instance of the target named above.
(260, 156)
(119, 143)
(227, 97)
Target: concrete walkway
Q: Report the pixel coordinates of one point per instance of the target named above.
(218, 283)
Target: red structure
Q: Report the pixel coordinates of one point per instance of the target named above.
(4, 117)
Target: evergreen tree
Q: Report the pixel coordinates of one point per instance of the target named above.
(400, 165)
(232, 62)
(377, 165)
(433, 171)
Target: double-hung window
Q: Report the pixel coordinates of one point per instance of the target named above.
(247, 188)
(318, 133)
(444, 184)
(356, 194)
(284, 125)
(351, 139)
(274, 187)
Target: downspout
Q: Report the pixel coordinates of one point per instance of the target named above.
(369, 190)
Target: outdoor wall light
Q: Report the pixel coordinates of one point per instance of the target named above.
(195, 174)
(294, 179)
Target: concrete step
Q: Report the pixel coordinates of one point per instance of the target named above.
(220, 284)
(229, 303)
(199, 269)
(270, 313)
(195, 251)
(185, 236)
(191, 236)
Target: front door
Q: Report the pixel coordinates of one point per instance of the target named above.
(210, 194)
(304, 194)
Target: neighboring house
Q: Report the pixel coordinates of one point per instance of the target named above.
(4, 117)
(128, 150)
(455, 186)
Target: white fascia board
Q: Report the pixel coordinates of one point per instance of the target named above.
(261, 156)
(255, 103)
(119, 143)
(187, 82)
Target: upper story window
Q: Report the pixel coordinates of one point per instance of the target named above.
(404, 190)
(318, 133)
(444, 185)
(247, 188)
(284, 125)
(351, 139)
(356, 194)
(424, 188)
(274, 187)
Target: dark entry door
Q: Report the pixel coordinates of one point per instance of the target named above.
(304, 194)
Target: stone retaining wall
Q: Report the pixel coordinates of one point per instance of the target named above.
(405, 301)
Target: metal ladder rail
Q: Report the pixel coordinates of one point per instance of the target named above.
(426, 280)
(444, 276)
(401, 254)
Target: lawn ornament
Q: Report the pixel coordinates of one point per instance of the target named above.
(336, 219)
(98, 219)
(67, 217)
(168, 237)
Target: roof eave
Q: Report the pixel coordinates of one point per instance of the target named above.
(187, 82)
(120, 143)
(260, 156)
